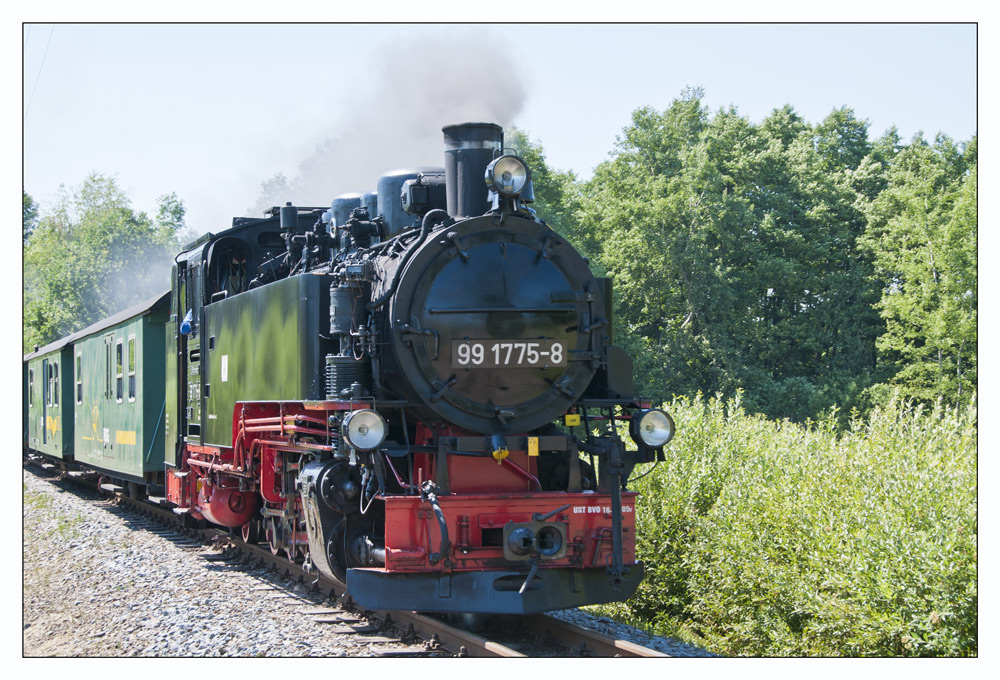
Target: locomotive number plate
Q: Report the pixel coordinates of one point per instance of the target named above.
(513, 353)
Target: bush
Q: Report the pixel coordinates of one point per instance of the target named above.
(777, 539)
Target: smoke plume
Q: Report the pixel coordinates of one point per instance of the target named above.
(416, 89)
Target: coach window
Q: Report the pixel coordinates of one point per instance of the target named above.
(107, 369)
(48, 384)
(131, 368)
(119, 380)
(31, 387)
(79, 378)
(55, 384)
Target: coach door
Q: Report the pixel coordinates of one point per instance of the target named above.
(112, 393)
(46, 391)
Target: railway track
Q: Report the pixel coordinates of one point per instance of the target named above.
(387, 633)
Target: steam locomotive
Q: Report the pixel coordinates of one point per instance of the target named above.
(413, 392)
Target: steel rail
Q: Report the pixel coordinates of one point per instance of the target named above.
(584, 641)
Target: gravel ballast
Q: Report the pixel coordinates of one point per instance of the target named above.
(95, 584)
(98, 582)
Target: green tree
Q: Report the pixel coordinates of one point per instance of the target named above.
(273, 191)
(648, 227)
(170, 215)
(784, 124)
(888, 145)
(922, 232)
(29, 217)
(842, 140)
(732, 247)
(557, 194)
(94, 255)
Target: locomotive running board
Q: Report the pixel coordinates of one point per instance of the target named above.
(488, 592)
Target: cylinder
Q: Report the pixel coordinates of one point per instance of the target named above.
(228, 507)
(343, 371)
(370, 200)
(288, 217)
(468, 149)
(342, 206)
(343, 304)
(390, 205)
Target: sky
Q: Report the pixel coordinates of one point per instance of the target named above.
(209, 111)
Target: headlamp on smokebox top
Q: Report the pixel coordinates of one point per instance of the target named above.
(507, 175)
(364, 429)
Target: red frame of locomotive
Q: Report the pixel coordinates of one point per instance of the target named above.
(228, 486)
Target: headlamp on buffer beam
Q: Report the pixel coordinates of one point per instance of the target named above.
(507, 175)
(364, 429)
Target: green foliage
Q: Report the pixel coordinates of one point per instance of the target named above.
(732, 248)
(922, 233)
(30, 216)
(842, 141)
(170, 214)
(802, 264)
(557, 194)
(37, 499)
(273, 191)
(93, 256)
(778, 539)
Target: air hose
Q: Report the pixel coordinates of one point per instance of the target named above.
(428, 491)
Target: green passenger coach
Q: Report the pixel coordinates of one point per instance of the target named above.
(118, 393)
(50, 414)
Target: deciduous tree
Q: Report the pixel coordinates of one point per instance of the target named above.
(29, 217)
(732, 246)
(922, 233)
(94, 255)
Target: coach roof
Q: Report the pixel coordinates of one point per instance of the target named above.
(159, 301)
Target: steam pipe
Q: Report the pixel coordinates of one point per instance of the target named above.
(521, 472)
(425, 228)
